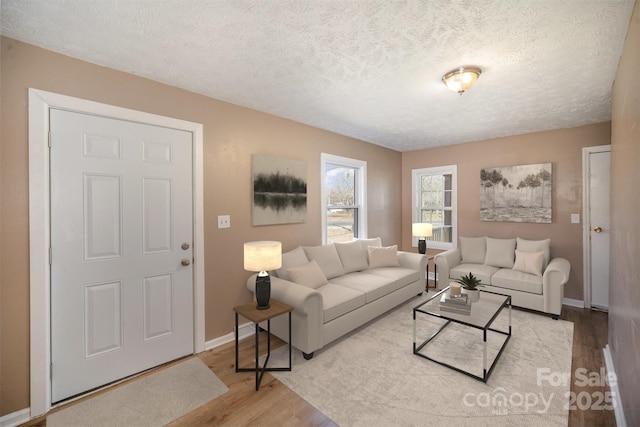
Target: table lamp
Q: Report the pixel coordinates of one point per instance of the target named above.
(422, 230)
(262, 256)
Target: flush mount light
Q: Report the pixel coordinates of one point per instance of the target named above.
(462, 78)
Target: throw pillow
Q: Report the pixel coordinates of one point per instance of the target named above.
(376, 242)
(293, 258)
(500, 252)
(529, 262)
(309, 275)
(535, 246)
(327, 258)
(383, 257)
(473, 249)
(352, 257)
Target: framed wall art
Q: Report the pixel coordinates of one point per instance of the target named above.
(279, 193)
(516, 193)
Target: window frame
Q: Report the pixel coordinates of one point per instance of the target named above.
(416, 175)
(360, 191)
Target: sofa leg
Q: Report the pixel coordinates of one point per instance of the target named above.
(555, 316)
(307, 356)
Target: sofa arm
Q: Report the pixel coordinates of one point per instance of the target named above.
(445, 261)
(413, 261)
(553, 280)
(303, 299)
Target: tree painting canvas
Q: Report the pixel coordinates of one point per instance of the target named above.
(279, 190)
(516, 193)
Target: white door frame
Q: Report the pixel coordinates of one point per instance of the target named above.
(586, 219)
(39, 227)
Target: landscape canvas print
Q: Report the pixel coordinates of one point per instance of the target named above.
(516, 193)
(279, 190)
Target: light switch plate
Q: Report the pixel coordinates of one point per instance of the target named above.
(575, 218)
(224, 221)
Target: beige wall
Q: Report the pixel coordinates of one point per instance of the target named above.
(231, 135)
(624, 291)
(562, 147)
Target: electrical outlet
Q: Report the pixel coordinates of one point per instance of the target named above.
(224, 221)
(575, 218)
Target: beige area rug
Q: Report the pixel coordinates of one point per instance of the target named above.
(153, 400)
(372, 378)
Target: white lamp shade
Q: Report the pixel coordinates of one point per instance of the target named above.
(422, 229)
(262, 256)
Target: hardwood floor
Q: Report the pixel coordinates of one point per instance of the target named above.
(275, 405)
(590, 336)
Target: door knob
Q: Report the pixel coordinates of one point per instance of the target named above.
(185, 261)
(185, 246)
(597, 229)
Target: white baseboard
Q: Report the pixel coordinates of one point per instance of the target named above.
(16, 418)
(244, 331)
(573, 302)
(615, 391)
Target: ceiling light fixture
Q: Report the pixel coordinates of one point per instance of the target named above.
(461, 79)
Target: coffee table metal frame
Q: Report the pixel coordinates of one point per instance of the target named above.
(486, 371)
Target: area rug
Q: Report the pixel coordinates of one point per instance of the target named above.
(372, 378)
(152, 400)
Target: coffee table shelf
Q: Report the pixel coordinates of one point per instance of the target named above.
(482, 315)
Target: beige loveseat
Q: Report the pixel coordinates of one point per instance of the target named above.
(517, 267)
(335, 288)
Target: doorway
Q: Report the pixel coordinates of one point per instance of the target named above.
(40, 105)
(596, 162)
(121, 245)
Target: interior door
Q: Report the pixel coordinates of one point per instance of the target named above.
(121, 236)
(599, 191)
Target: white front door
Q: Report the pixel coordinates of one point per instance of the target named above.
(599, 232)
(121, 249)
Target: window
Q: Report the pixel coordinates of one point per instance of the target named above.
(434, 201)
(344, 215)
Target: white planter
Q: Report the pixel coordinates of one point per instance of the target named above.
(474, 294)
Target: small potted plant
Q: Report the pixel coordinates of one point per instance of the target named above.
(471, 283)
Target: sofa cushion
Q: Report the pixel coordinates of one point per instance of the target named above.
(529, 262)
(327, 258)
(291, 259)
(383, 257)
(401, 276)
(352, 256)
(309, 275)
(500, 252)
(535, 246)
(338, 300)
(481, 271)
(473, 249)
(371, 285)
(518, 281)
(376, 242)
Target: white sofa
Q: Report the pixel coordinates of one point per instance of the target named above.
(335, 288)
(517, 267)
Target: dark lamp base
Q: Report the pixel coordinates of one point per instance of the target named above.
(422, 246)
(263, 292)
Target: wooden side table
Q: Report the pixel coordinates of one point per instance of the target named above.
(435, 273)
(256, 316)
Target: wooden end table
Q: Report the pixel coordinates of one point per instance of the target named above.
(256, 316)
(435, 273)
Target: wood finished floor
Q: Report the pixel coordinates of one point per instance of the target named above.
(275, 405)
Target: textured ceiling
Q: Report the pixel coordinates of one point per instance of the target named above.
(369, 69)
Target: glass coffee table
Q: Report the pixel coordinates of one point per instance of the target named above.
(481, 316)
